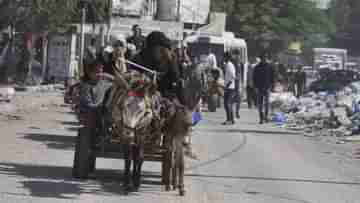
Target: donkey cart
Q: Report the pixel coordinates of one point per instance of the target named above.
(127, 114)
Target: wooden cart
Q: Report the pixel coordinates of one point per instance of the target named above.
(91, 145)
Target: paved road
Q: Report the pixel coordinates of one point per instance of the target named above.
(242, 163)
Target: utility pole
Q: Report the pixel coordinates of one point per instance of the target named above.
(44, 55)
(82, 37)
(110, 7)
(178, 10)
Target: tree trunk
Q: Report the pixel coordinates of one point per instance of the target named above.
(29, 57)
(44, 58)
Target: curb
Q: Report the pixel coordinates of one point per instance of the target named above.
(40, 88)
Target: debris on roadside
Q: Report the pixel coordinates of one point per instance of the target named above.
(40, 88)
(324, 113)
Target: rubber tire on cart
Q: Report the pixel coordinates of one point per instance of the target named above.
(81, 166)
(212, 103)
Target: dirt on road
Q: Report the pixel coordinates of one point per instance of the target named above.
(242, 163)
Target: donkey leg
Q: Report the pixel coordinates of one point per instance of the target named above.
(138, 161)
(167, 163)
(181, 166)
(127, 160)
(135, 162)
(174, 168)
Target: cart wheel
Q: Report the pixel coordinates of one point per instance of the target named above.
(166, 163)
(212, 103)
(81, 167)
(166, 170)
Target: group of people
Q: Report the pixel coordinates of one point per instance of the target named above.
(265, 76)
(157, 52)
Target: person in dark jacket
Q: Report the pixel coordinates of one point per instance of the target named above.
(263, 81)
(137, 38)
(300, 81)
(158, 56)
(91, 51)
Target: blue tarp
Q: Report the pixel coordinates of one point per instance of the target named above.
(196, 118)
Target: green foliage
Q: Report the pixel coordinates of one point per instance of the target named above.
(50, 15)
(273, 23)
(346, 14)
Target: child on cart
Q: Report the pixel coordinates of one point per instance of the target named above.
(92, 93)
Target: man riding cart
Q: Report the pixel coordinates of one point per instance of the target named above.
(145, 97)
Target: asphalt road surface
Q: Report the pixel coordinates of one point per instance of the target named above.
(245, 163)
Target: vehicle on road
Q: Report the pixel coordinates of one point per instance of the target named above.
(199, 44)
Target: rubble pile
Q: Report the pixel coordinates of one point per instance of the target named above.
(319, 114)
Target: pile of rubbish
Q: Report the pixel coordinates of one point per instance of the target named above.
(319, 114)
(334, 80)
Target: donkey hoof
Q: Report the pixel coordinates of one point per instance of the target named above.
(167, 188)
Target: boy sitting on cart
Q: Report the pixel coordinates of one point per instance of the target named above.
(92, 93)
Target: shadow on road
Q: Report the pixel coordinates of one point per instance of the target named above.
(274, 179)
(73, 128)
(221, 157)
(56, 182)
(222, 131)
(72, 123)
(66, 112)
(62, 142)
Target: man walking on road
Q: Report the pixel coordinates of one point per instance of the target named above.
(230, 76)
(263, 81)
(239, 70)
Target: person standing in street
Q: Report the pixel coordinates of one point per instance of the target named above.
(116, 60)
(91, 51)
(137, 38)
(300, 81)
(263, 81)
(211, 59)
(229, 94)
(250, 89)
(239, 69)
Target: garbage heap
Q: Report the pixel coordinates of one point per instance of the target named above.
(319, 114)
